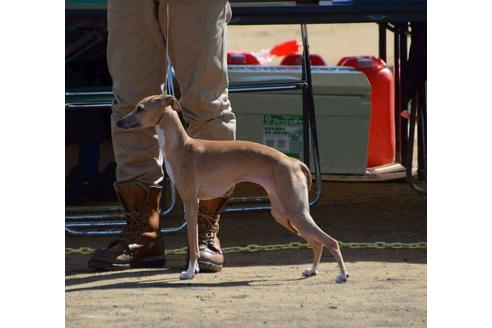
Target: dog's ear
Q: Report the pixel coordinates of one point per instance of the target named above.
(175, 105)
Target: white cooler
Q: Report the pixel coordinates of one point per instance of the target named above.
(342, 105)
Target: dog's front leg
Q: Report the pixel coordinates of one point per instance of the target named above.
(191, 215)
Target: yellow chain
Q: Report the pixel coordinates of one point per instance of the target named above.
(259, 248)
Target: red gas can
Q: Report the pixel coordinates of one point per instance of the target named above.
(242, 58)
(381, 148)
(296, 59)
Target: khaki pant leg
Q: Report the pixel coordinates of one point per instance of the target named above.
(136, 61)
(197, 48)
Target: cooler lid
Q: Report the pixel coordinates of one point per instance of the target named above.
(326, 80)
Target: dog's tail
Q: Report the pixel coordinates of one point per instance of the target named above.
(307, 173)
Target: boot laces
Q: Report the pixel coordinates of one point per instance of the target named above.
(133, 225)
(207, 228)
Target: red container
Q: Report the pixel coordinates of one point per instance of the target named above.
(296, 59)
(381, 148)
(242, 58)
(285, 48)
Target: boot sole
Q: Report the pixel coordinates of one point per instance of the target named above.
(209, 266)
(149, 262)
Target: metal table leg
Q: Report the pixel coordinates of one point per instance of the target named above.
(398, 132)
(403, 31)
(412, 85)
(308, 102)
(418, 112)
(422, 136)
(382, 40)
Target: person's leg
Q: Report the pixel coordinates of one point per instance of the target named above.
(197, 32)
(136, 62)
(197, 48)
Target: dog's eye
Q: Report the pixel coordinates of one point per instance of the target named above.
(139, 109)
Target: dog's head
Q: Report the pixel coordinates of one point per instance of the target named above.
(149, 112)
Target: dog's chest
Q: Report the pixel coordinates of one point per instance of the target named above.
(162, 142)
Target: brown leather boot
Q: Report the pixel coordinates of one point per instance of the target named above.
(211, 257)
(140, 243)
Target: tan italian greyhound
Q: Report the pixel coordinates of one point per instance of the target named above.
(204, 169)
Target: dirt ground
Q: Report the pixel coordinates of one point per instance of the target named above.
(266, 289)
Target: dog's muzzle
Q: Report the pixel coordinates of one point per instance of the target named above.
(128, 122)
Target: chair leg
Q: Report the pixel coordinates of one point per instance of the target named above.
(415, 111)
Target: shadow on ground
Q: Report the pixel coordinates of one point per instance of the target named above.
(350, 212)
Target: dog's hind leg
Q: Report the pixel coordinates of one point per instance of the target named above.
(310, 231)
(315, 244)
(317, 251)
(290, 209)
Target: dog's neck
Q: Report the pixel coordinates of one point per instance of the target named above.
(170, 133)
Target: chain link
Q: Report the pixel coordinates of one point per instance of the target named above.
(80, 250)
(260, 248)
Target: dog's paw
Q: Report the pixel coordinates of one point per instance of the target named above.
(343, 277)
(185, 275)
(309, 273)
